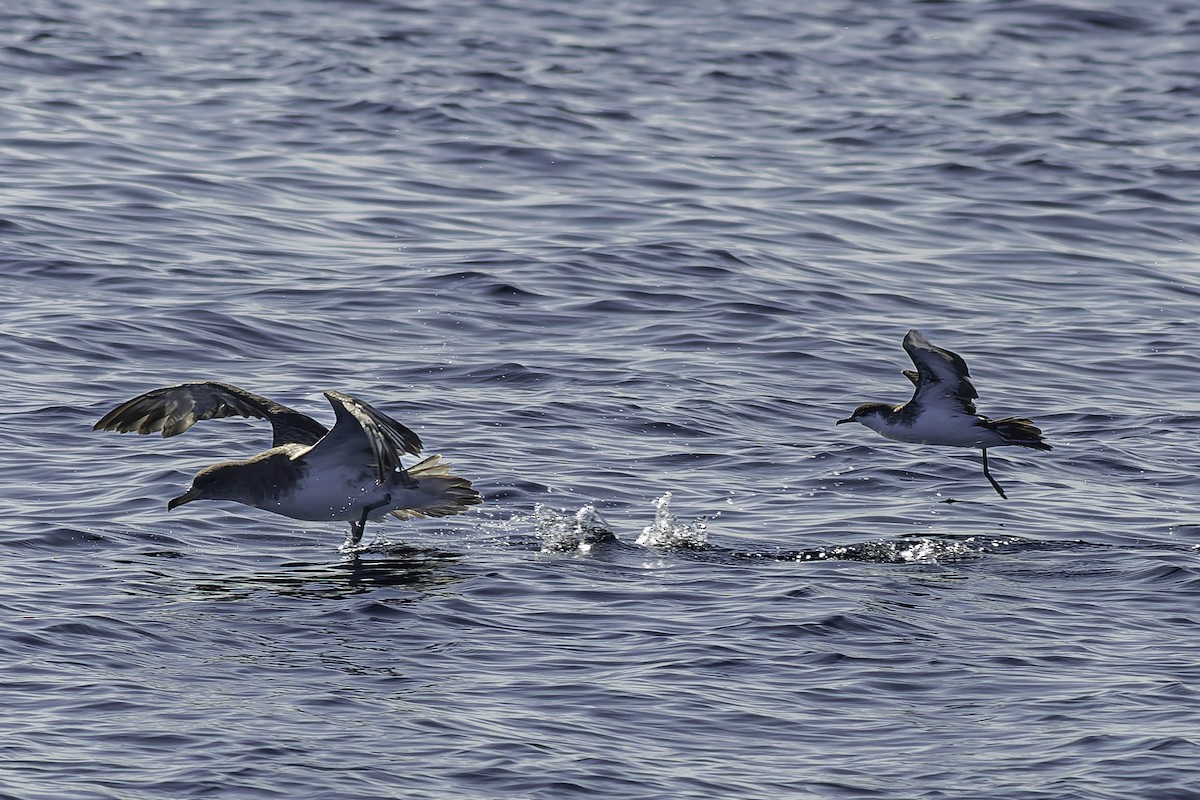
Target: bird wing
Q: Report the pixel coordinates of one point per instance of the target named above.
(359, 427)
(174, 409)
(942, 377)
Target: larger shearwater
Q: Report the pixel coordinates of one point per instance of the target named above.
(942, 409)
(351, 473)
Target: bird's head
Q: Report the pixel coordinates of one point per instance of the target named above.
(868, 414)
(211, 483)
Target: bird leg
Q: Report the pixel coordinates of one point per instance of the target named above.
(988, 475)
(356, 533)
(359, 525)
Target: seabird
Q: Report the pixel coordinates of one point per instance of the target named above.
(350, 473)
(942, 409)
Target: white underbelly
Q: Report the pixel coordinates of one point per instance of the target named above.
(340, 494)
(956, 431)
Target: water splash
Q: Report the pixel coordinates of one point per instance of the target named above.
(908, 551)
(931, 551)
(668, 532)
(562, 533)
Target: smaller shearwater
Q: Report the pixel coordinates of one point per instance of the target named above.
(942, 409)
(351, 473)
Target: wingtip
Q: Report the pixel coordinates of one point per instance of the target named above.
(105, 423)
(340, 401)
(337, 398)
(109, 422)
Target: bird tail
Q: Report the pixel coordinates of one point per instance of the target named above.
(1019, 431)
(438, 493)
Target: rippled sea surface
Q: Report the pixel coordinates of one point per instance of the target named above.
(624, 264)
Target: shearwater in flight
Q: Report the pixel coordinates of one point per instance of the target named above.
(942, 409)
(351, 473)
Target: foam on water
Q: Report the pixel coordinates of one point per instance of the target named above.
(915, 551)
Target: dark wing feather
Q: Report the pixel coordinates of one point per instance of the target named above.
(941, 374)
(386, 438)
(174, 409)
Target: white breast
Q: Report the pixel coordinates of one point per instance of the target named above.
(329, 490)
(951, 430)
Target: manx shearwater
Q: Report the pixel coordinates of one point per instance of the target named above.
(942, 409)
(352, 472)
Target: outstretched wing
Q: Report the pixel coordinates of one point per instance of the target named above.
(174, 409)
(358, 426)
(942, 378)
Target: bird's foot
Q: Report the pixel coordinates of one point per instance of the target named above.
(352, 548)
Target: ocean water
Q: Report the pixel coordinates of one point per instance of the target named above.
(623, 264)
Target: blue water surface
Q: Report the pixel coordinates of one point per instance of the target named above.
(624, 265)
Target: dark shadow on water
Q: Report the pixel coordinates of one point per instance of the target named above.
(915, 549)
(415, 569)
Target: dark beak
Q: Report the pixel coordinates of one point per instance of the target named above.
(847, 419)
(186, 497)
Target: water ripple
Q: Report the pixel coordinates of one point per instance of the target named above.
(625, 266)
